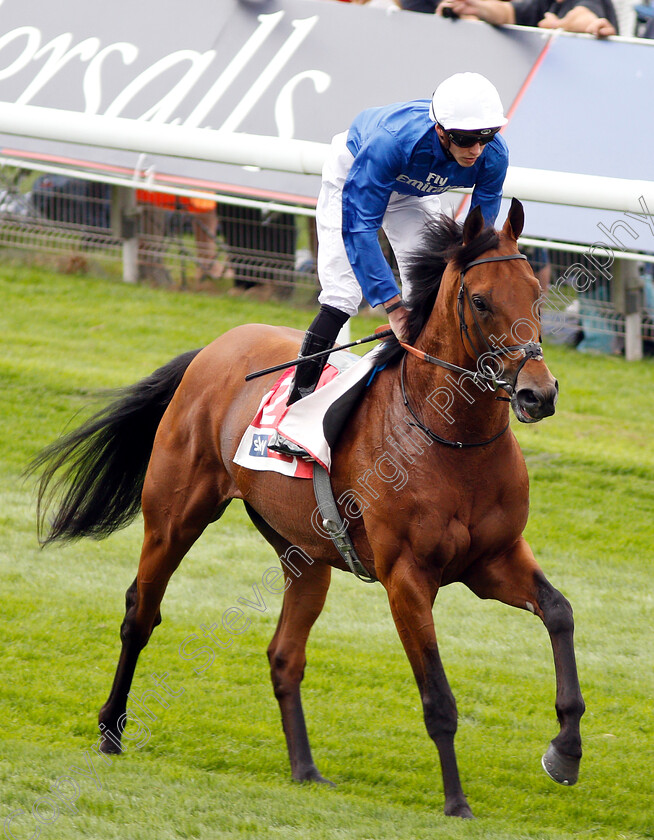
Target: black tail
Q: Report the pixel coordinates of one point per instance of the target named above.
(94, 475)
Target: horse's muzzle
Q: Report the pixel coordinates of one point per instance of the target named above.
(533, 404)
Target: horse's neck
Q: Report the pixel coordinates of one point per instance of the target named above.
(440, 336)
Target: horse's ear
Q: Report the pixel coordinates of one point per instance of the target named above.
(473, 226)
(515, 221)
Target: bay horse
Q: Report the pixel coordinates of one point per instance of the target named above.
(456, 513)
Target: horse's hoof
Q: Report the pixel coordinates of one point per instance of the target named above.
(564, 769)
(109, 747)
(312, 774)
(323, 781)
(459, 809)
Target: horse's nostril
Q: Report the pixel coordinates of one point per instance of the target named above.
(537, 403)
(528, 398)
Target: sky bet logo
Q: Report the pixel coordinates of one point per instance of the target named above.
(259, 446)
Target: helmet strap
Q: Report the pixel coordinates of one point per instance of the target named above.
(446, 149)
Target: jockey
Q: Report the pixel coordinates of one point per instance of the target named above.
(387, 172)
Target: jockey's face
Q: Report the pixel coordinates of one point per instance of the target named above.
(464, 157)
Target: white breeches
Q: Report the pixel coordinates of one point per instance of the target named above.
(403, 225)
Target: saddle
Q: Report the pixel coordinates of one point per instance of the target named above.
(314, 425)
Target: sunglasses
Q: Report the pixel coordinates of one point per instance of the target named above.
(466, 139)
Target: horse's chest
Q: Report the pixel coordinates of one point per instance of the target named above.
(462, 531)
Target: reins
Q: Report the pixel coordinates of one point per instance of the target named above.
(486, 375)
(455, 444)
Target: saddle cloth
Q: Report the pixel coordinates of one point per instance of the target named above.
(314, 422)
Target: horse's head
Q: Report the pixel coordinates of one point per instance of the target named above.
(496, 301)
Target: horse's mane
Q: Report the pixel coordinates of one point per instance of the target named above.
(442, 242)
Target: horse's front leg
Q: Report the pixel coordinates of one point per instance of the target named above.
(411, 594)
(304, 599)
(516, 579)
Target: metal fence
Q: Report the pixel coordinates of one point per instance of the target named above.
(182, 243)
(582, 306)
(234, 249)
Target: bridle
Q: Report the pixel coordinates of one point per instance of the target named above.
(485, 374)
(529, 350)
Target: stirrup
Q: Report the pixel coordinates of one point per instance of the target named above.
(280, 444)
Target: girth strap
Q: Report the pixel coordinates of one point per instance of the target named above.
(333, 524)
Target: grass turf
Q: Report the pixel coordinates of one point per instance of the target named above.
(213, 764)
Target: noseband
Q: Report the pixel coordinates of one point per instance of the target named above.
(484, 373)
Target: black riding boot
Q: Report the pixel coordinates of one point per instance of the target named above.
(307, 374)
(321, 335)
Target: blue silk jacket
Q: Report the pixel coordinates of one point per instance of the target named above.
(396, 149)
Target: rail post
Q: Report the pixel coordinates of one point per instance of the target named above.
(628, 299)
(124, 225)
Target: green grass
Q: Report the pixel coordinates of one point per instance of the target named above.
(215, 762)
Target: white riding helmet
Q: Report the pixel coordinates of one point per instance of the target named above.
(467, 102)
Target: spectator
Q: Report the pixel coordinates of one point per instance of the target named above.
(155, 208)
(205, 228)
(594, 17)
(260, 245)
(539, 260)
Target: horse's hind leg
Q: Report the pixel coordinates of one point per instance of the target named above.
(174, 519)
(516, 579)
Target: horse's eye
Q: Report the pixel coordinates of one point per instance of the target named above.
(480, 303)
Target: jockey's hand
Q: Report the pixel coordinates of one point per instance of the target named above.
(397, 319)
(398, 322)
